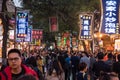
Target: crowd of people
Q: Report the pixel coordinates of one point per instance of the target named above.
(67, 64)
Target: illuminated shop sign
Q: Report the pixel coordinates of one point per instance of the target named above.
(28, 37)
(117, 45)
(21, 24)
(110, 18)
(37, 34)
(86, 27)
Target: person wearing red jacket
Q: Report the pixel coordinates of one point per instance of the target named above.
(15, 69)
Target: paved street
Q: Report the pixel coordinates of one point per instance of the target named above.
(52, 77)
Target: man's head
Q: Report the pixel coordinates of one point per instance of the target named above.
(83, 66)
(110, 56)
(100, 55)
(14, 58)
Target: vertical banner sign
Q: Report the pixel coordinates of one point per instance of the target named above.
(85, 26)
(21, 24)
(110, 16)
(28, 38)
(53, 23)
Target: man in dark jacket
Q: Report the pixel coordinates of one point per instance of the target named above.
(110, 60)
(15, 68)
(74, 62)
(100, 65)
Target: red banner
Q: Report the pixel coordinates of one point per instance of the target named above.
(53, 23)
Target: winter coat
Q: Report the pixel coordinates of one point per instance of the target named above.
(7, 75)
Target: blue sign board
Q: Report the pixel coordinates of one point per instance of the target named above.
(21, 24)
(28, 37)
(110, 18)
(86, 27)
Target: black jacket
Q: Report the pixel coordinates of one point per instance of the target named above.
(100, 66)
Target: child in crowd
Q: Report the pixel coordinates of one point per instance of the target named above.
(82, 73)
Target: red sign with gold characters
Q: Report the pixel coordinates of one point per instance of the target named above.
(53, 23)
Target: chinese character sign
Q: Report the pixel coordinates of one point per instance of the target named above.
(86, 27)
(28, 38)
(21, 24)
(110, 16)
(37, 34)
(53, 23)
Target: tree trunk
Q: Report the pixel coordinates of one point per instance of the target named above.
(5, 27)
